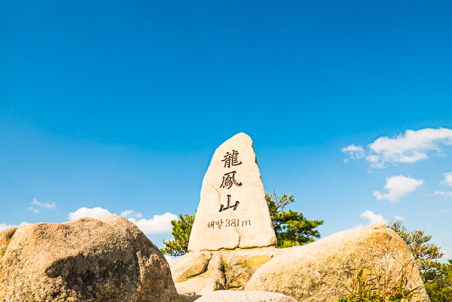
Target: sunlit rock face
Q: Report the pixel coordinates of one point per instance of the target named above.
(84, 260)
(322, 270)
(198, 273)
(232, 212)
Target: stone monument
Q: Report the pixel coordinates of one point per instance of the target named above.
(232, 212)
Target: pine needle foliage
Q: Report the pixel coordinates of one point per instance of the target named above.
(181, 233)
(440, 289)
(291, 227)
(424, 252)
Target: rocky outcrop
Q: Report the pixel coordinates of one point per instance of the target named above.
(212, 279)
(84, 260)
(5, 238)
(320, 271)
(251, 296)
(203, 272)
(239, 266)
(190, 265)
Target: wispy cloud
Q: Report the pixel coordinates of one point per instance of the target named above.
(409, 147)
(353, 152)
(397, 187)
(47, 205)
(443, 193)
(131, 213)
(32, 209)
(446, 182)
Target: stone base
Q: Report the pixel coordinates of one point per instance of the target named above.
(203, 272)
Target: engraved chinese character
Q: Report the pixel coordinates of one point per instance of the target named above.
(229, 180)
(231, 159)
(223, 208)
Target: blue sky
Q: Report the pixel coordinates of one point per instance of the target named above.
(120, 105)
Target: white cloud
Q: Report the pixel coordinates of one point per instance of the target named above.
(409, 147)
(373, 159)
(399, 218)
(448, 179)
(398, 186)
(372, 218)
(157, 225)
(354, 152)
(445, 194)
(31, 209)
(96, 212)
(126, 213)
(131, 213)
(47, 205)
(4, 226)
(445, 211)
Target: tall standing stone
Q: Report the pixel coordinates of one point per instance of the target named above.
(232, 212)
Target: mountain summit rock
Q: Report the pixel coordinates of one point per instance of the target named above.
(108, 259)
(232, 212)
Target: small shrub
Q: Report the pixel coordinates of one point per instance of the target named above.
(380, 284)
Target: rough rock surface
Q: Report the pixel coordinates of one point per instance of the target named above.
(320, 270)
(5, 238)
(239, 266)
(84, 260)
(188, 298)
(251, 296)
(203, 272)
(211, 280)
(232, 212)
(189, 265)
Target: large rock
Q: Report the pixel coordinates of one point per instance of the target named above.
(212, 279)
(189, 265)
(232, 212)
(84, 260)
(203, 272)
(240, 265)
(251, 296)
(320, 271)
(5, 238)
